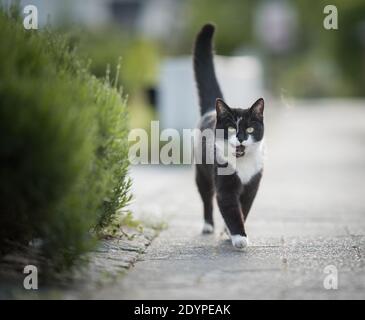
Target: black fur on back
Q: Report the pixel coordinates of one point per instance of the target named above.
(208, 87)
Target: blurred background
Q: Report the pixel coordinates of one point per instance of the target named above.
(64, 173)
(291, 54)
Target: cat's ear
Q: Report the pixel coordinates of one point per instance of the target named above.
(257, 108)
(221, 107)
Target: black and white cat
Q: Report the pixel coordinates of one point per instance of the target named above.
(239, 148)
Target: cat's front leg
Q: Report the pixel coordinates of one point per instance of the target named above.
(230, 208)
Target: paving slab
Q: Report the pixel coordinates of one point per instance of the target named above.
(309, 214)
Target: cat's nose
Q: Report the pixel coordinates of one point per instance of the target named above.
(240, 137)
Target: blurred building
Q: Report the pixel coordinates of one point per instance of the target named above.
(154, 18)
(276, 24)
(241, 80)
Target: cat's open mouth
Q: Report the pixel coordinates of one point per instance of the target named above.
(240, 151)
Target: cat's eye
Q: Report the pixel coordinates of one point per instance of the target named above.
(250, 130)
(231, 129)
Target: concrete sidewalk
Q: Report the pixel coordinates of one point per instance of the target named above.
(309, 213)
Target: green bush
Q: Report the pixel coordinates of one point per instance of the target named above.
(63, 145)
(140, 56)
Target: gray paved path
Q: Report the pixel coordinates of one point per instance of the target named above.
(309, 213)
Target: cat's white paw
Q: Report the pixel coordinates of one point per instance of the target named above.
(208, 228)
(239, 241)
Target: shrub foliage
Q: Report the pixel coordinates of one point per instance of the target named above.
(63, 145)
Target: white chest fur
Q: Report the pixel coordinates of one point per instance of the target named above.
(250, 164)
(247, 166)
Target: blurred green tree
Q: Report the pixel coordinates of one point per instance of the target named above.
(321, 62)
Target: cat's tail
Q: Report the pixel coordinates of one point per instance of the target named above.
(208, 87)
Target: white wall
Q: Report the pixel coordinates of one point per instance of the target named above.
(240, 79)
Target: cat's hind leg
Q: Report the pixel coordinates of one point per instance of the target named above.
(204, 181)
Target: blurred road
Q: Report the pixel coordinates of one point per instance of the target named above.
(309, 213)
